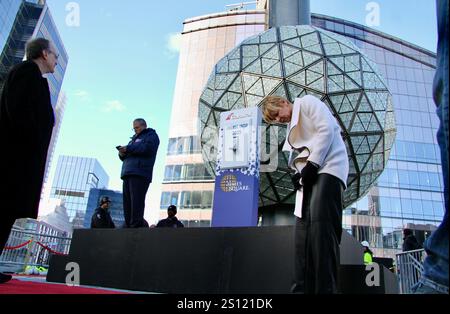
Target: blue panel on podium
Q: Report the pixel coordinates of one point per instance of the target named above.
(235, 200)
(237, 174)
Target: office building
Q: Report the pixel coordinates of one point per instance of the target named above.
(408, 192)
(115, 207)
(74, 178)
(205, 40)
(20, 21)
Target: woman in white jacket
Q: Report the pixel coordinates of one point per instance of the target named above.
(321, 176)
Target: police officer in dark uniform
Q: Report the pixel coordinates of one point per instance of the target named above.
(410, 241)
(101, 217)
(171, 221)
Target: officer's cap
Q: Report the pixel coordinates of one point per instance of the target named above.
(104, 200)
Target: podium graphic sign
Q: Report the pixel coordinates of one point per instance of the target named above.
(237, 169)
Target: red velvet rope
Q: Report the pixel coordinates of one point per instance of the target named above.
(17, 247)
(29, 241)
(49, 249)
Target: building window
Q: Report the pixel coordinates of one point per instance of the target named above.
(197, 223)
(165, 200)
(196, 198)
(168, 173)
(174, 198)
(206, 199)
(172, 146)
(187, 172)
(183, 146)
(176, 173)
(187, 199)
(69, 193)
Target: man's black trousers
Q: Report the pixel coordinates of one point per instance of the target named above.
(317, 237)
(134, 191)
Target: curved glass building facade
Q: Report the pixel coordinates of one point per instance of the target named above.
(409, 191)
(291, 62)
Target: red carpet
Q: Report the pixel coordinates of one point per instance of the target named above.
(28, 287)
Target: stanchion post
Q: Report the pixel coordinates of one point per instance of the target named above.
(28, 255)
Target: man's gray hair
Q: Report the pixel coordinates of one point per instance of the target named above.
(35, 47)
(141, 121)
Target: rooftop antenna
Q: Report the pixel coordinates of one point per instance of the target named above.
(239, 6)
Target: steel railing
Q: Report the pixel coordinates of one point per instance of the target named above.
(409, 268)
(26, 248)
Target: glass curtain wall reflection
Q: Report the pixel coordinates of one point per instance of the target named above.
(20, 21)
(73, 181)
(408, 194)
(409, 191)
(115, 208)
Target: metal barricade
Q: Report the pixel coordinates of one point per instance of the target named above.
(25, 248)
(409, 269)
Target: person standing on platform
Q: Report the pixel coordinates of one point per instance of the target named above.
(321, 176)
(137, 171)
(26, 126)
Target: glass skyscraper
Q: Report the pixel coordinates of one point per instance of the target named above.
(115, 208)
(59, 113)
(8, 12)
(20, 21)
(74, 178)
(408, 194)
(46, 28)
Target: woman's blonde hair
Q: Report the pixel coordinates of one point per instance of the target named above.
(270, 107)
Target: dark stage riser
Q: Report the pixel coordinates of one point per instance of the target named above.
(198, 260)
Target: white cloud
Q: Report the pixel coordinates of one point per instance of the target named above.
(174, 42)
(82, 95)
(113, 105)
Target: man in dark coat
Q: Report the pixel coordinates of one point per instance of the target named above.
(26, 125)
(409, 241)
(137, 171)
(171, 221)
(101, 217)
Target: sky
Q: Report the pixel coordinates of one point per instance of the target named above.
(123, 58)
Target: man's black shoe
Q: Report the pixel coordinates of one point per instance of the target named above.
(5, 278)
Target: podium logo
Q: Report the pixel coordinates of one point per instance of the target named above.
(229, 183)
(373, 277)
(73, 277)
(235, 116)
(229, 117)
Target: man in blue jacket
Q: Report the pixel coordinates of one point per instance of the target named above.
(137, 171)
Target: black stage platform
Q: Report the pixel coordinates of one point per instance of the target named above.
(202, 261)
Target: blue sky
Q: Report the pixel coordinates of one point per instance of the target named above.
(123, 63)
